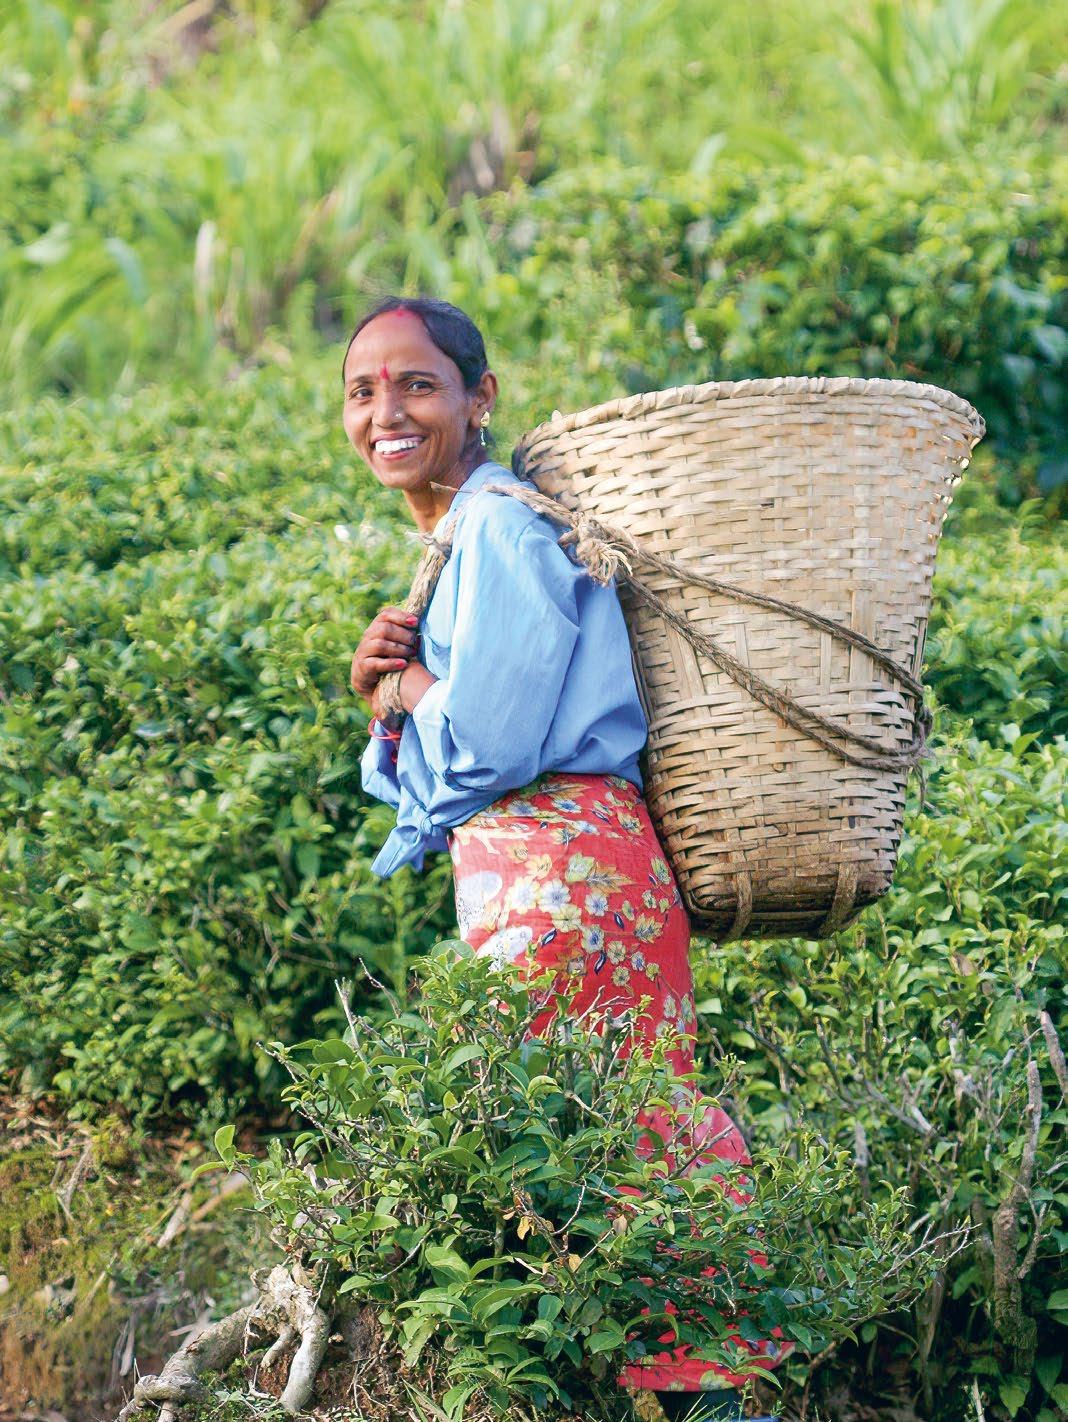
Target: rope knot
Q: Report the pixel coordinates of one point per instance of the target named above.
(601, 558)
(443, 550)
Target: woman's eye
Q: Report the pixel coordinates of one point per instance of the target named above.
(415, 384)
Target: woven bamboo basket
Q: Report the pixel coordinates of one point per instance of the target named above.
(824, 494)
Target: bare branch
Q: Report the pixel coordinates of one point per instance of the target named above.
(1056, 1053)
(1015, 1327)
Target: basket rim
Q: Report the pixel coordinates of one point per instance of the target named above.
(627, 407)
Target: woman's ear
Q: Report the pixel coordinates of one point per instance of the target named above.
(487, 394)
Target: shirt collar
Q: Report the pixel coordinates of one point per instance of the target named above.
(487, 473)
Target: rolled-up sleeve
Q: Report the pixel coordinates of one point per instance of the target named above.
(484, 725)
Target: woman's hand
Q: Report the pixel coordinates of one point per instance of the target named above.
(388, 645)
(415, 682)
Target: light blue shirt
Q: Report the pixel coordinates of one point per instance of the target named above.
(534, 674)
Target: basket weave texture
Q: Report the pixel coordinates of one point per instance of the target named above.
(829, 493)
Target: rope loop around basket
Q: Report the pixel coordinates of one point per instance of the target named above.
(607, 553)
(599, 547)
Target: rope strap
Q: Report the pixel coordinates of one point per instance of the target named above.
(610, 553)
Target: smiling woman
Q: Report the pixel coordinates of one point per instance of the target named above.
(518, 748)
(414, 410)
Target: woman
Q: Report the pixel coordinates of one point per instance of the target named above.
(518, 752)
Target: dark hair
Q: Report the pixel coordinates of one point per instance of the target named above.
(451, 330)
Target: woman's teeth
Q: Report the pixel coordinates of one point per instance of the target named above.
(395, 446)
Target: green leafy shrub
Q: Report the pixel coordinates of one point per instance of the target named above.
(996, 649)
(185, 854)
(468, 1181)
(185, 857)
(918, 1043)
(948, 273)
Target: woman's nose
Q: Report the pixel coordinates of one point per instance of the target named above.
(388, 408)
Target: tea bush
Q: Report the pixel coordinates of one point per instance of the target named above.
(185, 860)
(923, 1041)
(186, 853)
(996, 648)
(939, 273)
(487, 1193)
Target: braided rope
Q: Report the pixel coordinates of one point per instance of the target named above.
(609, 553)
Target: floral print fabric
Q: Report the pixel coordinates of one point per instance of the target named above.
(567, 874)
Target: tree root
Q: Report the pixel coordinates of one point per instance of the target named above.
(287, 1306)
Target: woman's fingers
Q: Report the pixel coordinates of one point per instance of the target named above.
(389, 644)
(399, 636)
(390, 647)
(367, 671)
(393, 622)
(398, 616)
(380, 665)
(392, 625)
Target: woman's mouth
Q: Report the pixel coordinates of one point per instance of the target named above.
(398, 448)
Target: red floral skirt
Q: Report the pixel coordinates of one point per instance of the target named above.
(568, 874)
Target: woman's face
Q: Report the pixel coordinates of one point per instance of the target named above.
(406, 412)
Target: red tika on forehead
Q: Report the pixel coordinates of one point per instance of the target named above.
(399, 311)
(383, 374)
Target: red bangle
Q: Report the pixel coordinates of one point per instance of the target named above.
(381, 735)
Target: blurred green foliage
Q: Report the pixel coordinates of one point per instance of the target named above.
(929, 272)
(744, 193)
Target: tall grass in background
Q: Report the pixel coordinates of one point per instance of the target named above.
(183, 186)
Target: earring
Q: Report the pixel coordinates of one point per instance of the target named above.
(484, 425)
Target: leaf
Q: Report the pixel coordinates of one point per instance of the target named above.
(224, 1141)
(1013, 1394)
(333, 1049)
(151, 730)
(606, 1338)
(356, 1281)
(1058, 1300)
(440, 1257)
(462, 1055)
(1052, 342)
(308, 859)
(416, 1340)
(1048, 1370)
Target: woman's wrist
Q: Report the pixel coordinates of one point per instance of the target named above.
(415, 682)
